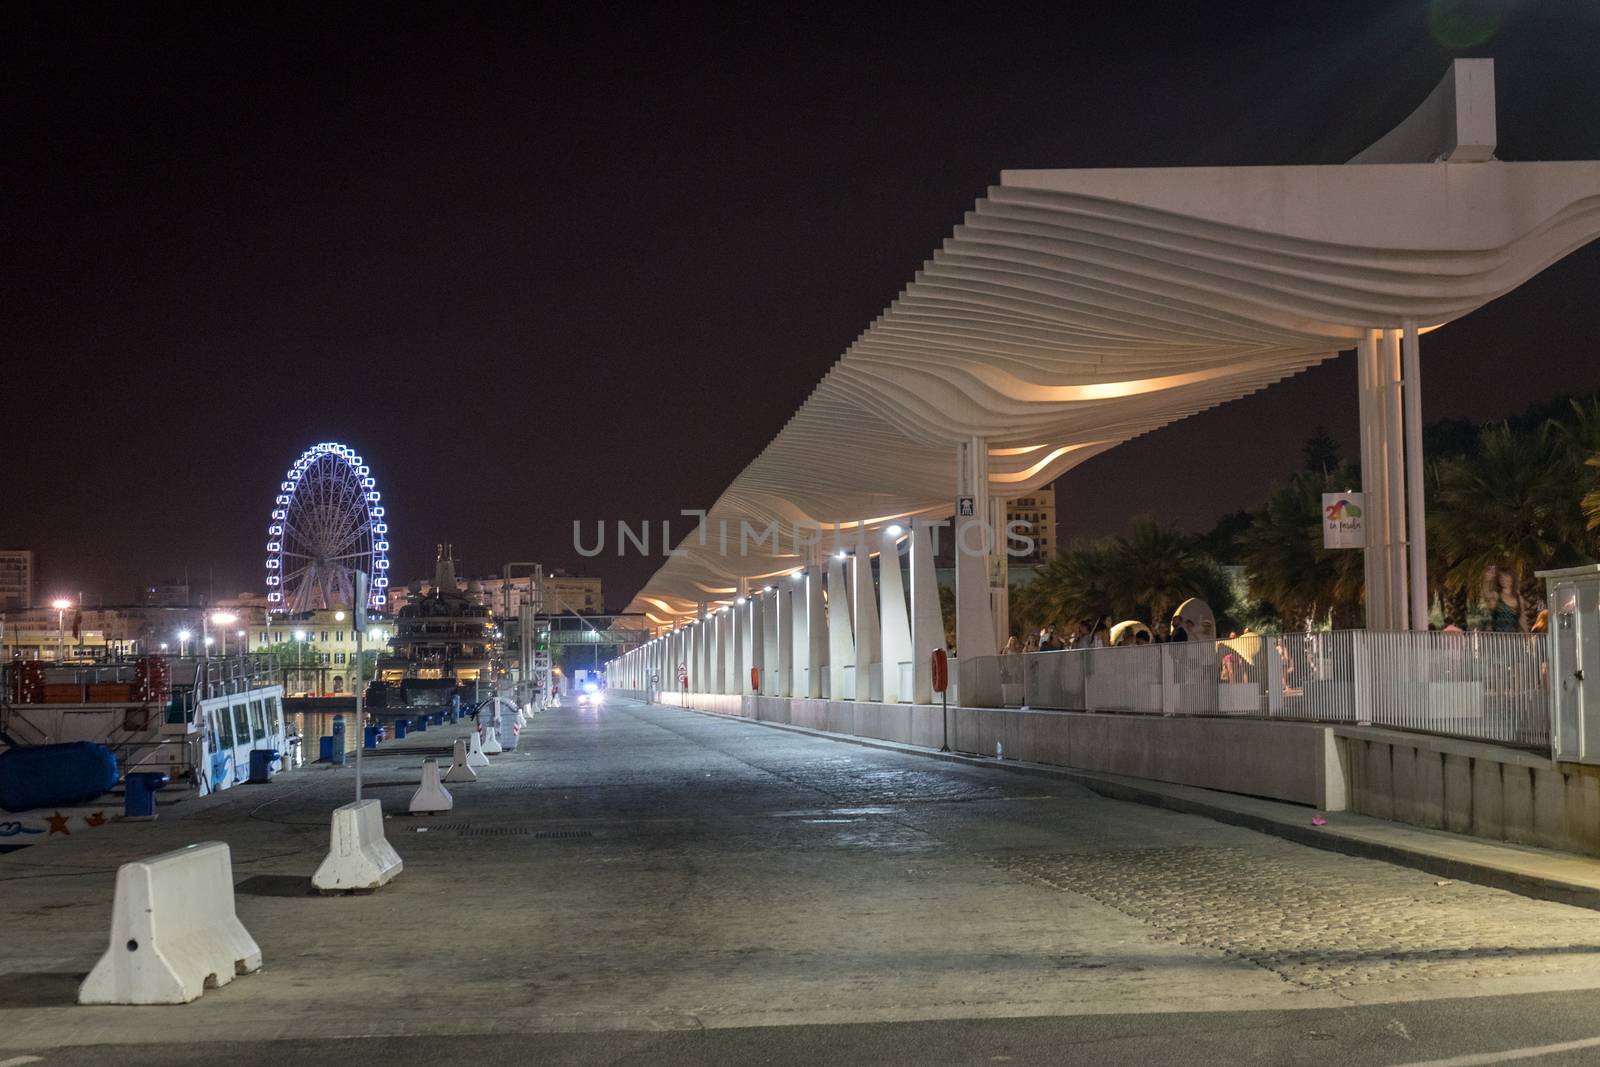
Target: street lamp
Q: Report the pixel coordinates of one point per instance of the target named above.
(223, 619)
(299, 656)
(209, 642)
(183, 639)
(61, 604)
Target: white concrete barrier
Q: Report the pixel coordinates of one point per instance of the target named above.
(359, 856)
(476, 758)
(174, 932)
(491, 740)
(458, 770)
(432, 797)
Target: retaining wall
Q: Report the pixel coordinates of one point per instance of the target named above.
(1292, 761)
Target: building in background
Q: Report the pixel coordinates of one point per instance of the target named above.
(165, 594)
(93, 633)
(323, 641)
(1035, 512)
(16, 579)
(563, 591)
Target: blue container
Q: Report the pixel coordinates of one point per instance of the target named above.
(400, 728)
(325, 749)
(422, 724)
(370, 740)
(140, 802)
(51, 776)
(261, 761)
(338, 741)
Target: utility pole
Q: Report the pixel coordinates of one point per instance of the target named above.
(359, 610)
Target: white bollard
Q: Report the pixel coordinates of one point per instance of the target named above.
(432, 796)
(459, 771)
(475, 755)
(174, 932)
(359, 856)
(491, 740)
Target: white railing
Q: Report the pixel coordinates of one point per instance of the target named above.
(1489, 686)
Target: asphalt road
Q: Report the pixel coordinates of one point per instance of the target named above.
(1546, 1030)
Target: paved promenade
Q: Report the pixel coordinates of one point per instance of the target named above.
(634, 878)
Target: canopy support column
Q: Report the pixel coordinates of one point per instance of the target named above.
(841, 643)
(865, 599)
(896, 621)
(927, 617)
(816, 630)
(977, 655)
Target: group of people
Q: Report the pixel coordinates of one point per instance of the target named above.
(1090, 635)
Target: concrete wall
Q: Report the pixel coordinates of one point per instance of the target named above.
(1292, 761)
(1464, 787)
(1472, 788)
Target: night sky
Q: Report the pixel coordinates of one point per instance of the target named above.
(582, 264)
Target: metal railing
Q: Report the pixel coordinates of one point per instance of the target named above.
(1485, 686)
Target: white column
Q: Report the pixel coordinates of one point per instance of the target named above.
(755, 642)
(841, 642)
(864, 598)
(999, 571)
(977, 655)
(816, 630)
(700, 671)
(896, 619)
(1394, 468)
(1416, 518)
(1375, 562)
(730, 651)
(740, 646)
(799, 660)
(771, 641)
(927, 618)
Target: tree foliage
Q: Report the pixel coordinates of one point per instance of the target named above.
(1284, 559)
(1142, 574)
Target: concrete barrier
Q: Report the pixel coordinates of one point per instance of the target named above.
(476, 758)
(432, 796)
(459, 771)
(491, 739)
(174, 932)
(359, 856)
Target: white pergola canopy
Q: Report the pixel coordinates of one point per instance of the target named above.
(1073, 310)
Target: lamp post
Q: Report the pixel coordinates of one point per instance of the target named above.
(224, 619)
(183, 643)
(300, 656)
(61, 604)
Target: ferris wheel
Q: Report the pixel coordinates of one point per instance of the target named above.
(327, 525)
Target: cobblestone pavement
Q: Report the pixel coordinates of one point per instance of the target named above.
(646, 869)
(1323, 920)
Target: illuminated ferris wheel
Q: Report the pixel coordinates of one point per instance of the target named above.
(327, 525)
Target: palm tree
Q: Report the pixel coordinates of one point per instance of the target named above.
(1591, 499)
(1284, 558)
(1579, 437)
(1074, 586)
(1512, 503)
(1155, 567)
(1143, 574)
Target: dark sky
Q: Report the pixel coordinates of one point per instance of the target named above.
(583, 263)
